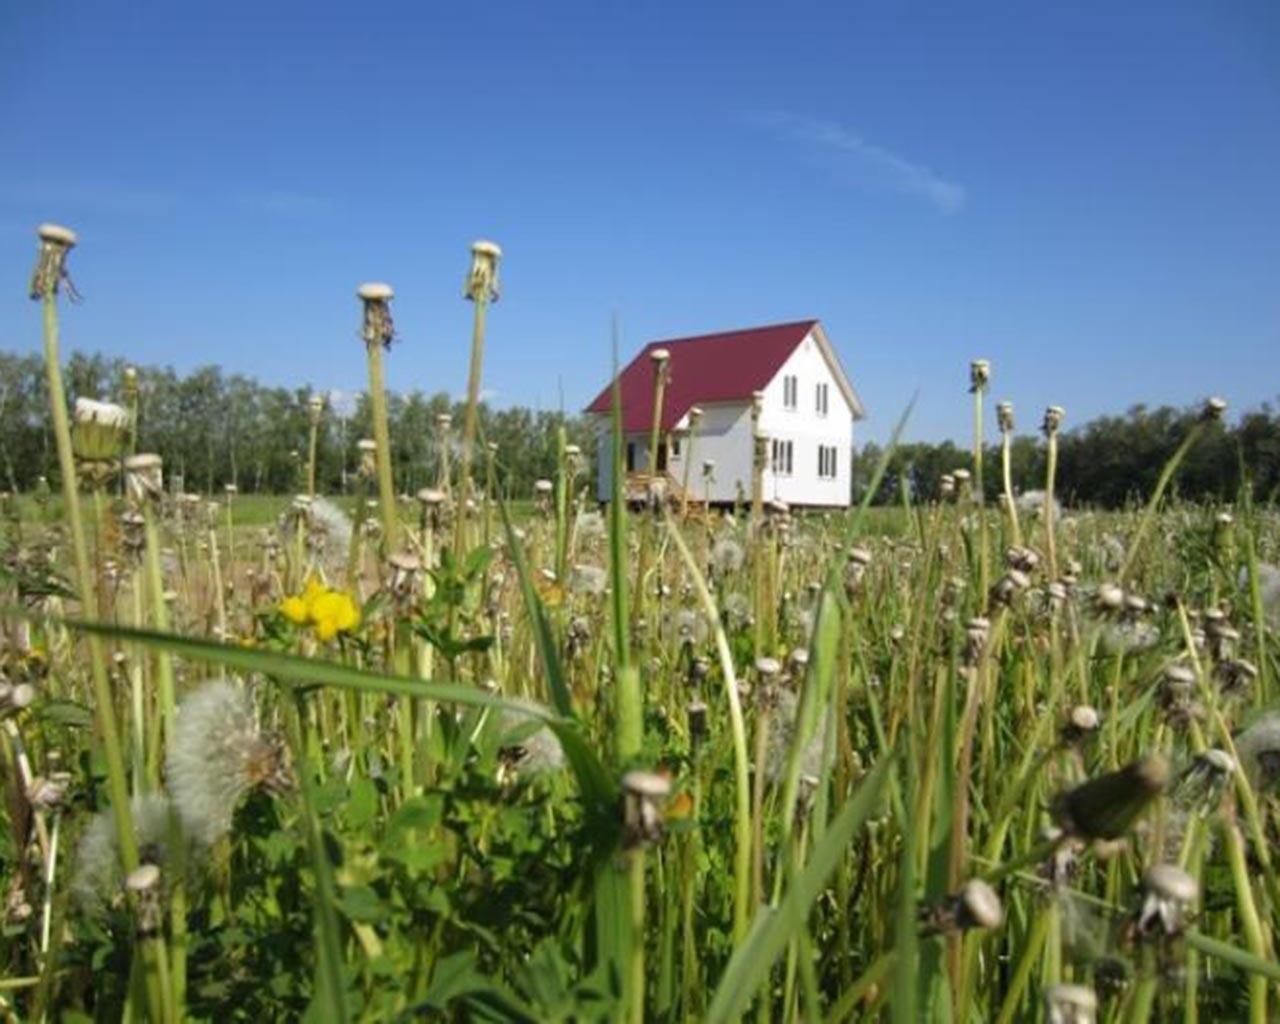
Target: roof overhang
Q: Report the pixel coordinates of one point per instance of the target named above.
(856, 408)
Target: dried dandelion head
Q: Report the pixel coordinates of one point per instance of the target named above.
(51, 261)
(979, 374)
(367, 448)
(99, 431)
(218, 755)
(377, 328)
(482, 278)
(1004, 417)
(1070, 1004)
(1053, 417)
(1170, 896)
(144, 478)
(643, 795)
(976, 905)
(1214, 409)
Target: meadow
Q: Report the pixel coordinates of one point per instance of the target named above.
(474, 755)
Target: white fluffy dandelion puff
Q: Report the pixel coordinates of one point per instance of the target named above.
(782, 730)
(727, 556)
(99, 879)
(1259, 750)
(218, 755)
(589, 580)
(1268, 587)
(528, 745)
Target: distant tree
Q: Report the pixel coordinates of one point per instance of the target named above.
(215, 429)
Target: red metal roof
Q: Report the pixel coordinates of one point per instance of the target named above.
(725, 367)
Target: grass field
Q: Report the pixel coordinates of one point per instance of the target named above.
(458, 761)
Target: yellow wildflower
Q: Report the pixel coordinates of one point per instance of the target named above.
(295, 610)
(328, 612)
(313, 591)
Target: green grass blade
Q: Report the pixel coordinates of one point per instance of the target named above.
(543, 636)
(1234, 955)
(775, 927)
(618, 525)
(906, 982)
(330, 997)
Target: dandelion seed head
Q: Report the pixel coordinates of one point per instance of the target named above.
(590, 526)
(1259, 750)
(588, 580)
(99, 876)
(217, 756)
(534, 753)
(727, 556)
(782, 729)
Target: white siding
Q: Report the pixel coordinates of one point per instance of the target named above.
(724, 434)
(807, 429)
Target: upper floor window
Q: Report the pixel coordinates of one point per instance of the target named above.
(823, 399)
(790, 391)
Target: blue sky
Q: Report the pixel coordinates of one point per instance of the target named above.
(1086, 194)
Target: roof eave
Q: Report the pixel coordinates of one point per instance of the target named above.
(856, 408)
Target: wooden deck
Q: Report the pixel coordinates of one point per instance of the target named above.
(644, 488)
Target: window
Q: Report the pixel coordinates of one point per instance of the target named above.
(827, 466)
(822, 399)
(790, 391)
(631, 456)
(781, 452)
(675, 447)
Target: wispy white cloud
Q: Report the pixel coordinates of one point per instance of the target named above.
(862, 163)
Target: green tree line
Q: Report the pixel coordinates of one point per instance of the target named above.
(215, 428)
(1105, 462)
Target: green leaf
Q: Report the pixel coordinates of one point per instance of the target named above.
(66, 712)
(361, 903)
(362, 803)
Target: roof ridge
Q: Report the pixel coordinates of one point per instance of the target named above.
(730, 333)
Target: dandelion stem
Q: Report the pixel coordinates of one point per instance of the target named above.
(382, 439)
(471, 414)
(742, 776)
(103, 707)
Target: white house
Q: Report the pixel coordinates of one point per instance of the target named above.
(808, 407)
